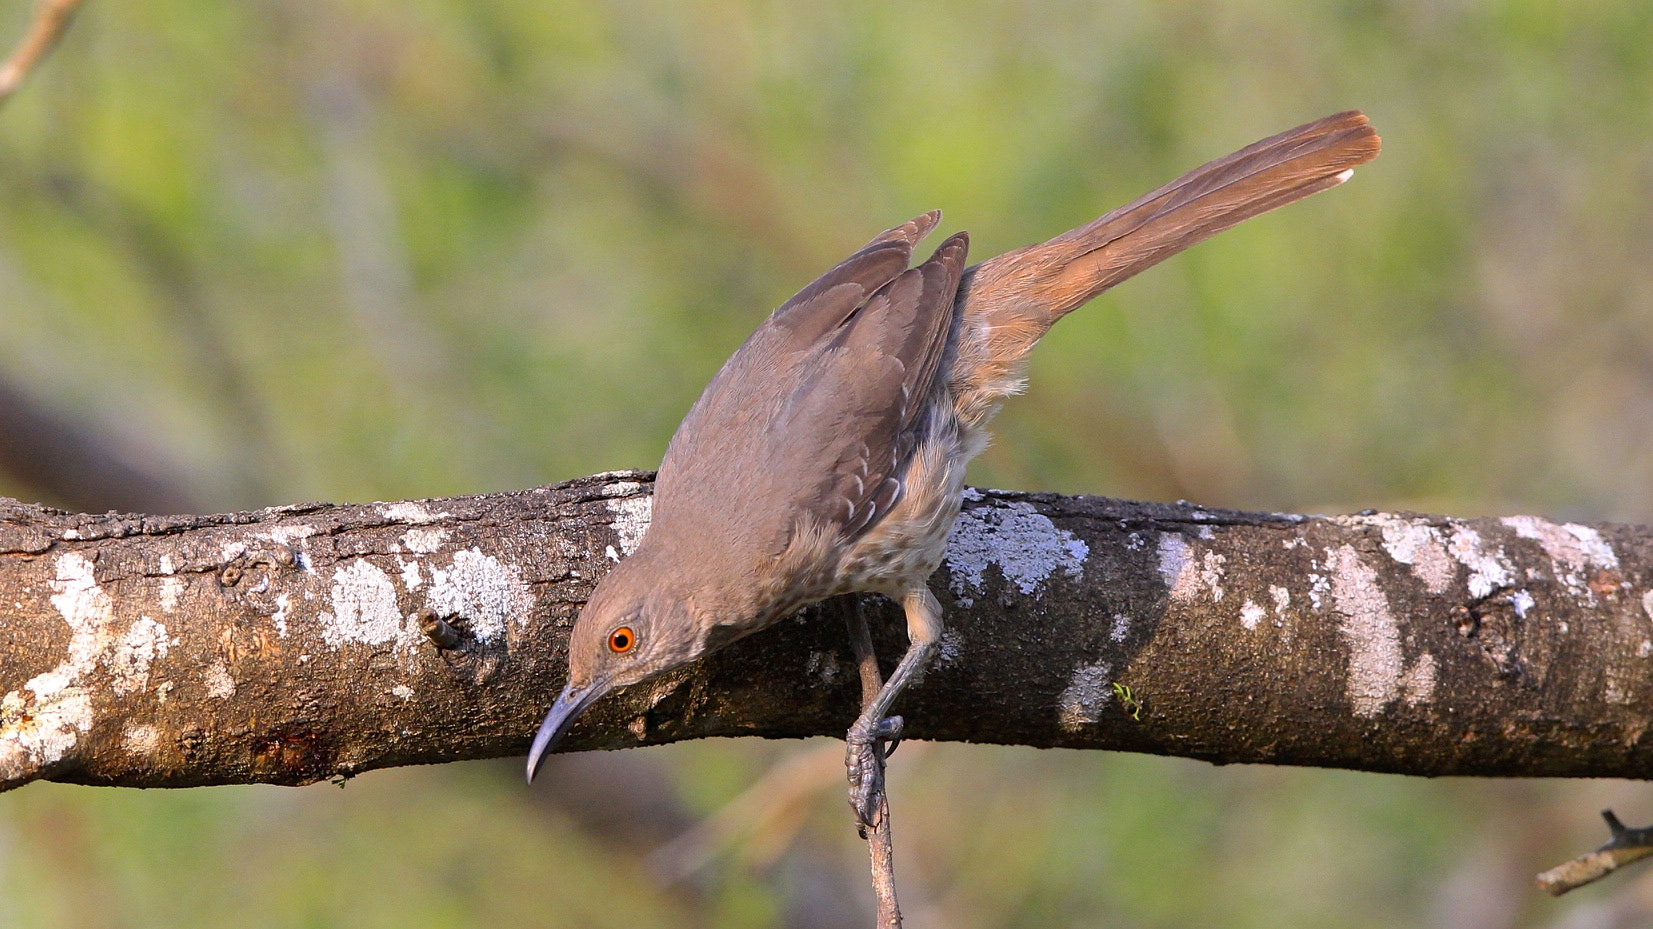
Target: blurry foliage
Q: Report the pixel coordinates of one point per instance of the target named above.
(358, 250)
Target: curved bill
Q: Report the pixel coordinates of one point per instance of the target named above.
(570, 704)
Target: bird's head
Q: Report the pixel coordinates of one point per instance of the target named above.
(631, 629)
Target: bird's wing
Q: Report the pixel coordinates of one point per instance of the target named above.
(825, 304)
(819, 410)
(867, 401)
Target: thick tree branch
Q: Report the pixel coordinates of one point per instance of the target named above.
(288, 645)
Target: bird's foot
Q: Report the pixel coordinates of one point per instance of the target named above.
(868, 743)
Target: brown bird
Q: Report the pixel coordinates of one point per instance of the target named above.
(827, 456)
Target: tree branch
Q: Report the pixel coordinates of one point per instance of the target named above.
(51, 18)
(287, 645)
(1625, 846)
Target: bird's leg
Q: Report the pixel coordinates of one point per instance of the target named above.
(864, 758)
(880, 846)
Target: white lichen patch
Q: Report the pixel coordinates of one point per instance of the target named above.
(1211, 572)
(481, 588)
(1418, 684)
(1417, 544)
(1174, 561)
(41, 722)
(140, 739)
(410, 576)
(1569, 543)
(1522, 601)
(1488, 569)
(631, 519)
(364, 606)
(279, 617)
(1121, 627)
(1086, 695)
(84, 605)
(424, 541)
(1023, 543)
(287, 535)
(948, 648)
(220, 683)
(403, 691)
(1188, 578)
(1282, 599)
(413, 514)
(129, 661)
(1647, 604)
(1320, 587)
(1574, 551)
(172, 592)
(1369, 630)
(1251, 614)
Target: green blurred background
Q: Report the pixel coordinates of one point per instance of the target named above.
(266, 252)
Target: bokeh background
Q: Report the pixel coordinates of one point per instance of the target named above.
(263, 252)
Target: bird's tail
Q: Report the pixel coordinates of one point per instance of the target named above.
(1011, 301)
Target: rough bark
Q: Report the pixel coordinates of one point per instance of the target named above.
(286, 645)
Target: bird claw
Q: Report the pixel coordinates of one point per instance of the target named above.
(889, 733)
(865, 766)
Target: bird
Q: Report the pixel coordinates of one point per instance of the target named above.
(827, 455)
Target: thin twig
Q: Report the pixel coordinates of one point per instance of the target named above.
(50, 20)
(1625, 846)
(880, 847)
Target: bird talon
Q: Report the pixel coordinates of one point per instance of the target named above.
(862, 803)
(866, 773)
(867, 745)
(889, 732)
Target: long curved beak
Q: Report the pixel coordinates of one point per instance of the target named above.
(570, 704)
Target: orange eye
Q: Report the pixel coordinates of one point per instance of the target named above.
(621, 640)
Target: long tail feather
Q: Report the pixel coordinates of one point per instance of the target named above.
(1012, 300)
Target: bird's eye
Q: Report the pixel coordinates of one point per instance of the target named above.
(621, 640)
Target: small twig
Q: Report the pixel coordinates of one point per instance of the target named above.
(50, 21)
(880, 847)
(441, 633)
(1625, 846)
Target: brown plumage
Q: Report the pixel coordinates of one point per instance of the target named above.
(828, 454)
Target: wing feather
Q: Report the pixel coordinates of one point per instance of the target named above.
(819, 411)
